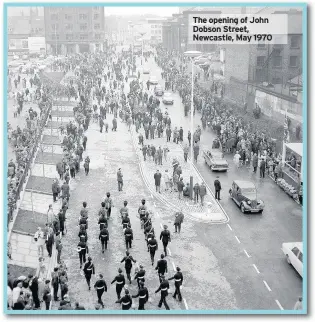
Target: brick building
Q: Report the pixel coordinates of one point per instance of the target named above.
(74, 29)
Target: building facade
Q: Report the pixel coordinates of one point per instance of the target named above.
(74, 29)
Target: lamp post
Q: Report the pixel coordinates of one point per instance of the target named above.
(142, 34)
(192, 55)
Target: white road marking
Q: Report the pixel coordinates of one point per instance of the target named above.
(237, 239)
(246, 253)
(229, 227)
(157, 214)
(154, 205)
(267, 286)
(185, 303)
(256, 269)
(151, 195)
(174, 266)
(280, 306)
(161, 225)
(169, 251)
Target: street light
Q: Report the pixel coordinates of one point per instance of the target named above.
(192, 54)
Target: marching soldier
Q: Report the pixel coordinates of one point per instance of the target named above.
(102, 221)
(82, 250)
(178, 277)
(165, 236)
(88, 270)
(100, 286)
(83, 221)
(82, 233)
(124, 210)
(120, 282)
(161, 267)
(140, 276)
(108, 204)
(164, 286)
(103, 211)
(142, 209)
(128, 259)
(125, 301)
(104, 237)
(125, 221)
(153, 247)
(143, 295)
(84, 211)
(128, 236)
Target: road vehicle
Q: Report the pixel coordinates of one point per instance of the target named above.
(294, 254)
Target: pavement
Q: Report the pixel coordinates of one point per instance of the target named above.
(260, 236)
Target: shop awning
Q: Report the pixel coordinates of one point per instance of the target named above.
(296, 148)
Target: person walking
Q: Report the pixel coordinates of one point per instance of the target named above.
(55, 190)
(143, 295)
(82, 250)
(87, 165)
(180, 188)
(202, 192)
(140, 276)
(88, 270)
(178, 277)
(120, 179)
(179, 218)
(47, 294)
(153, 247)
(128, 235)
(40, 240)
(55, 282)
(108, 204)
(120, 282)
(186, 151)
(125, 301)
(100, 287)
(128, 259)
(196, 192)
(255, 162)
(59, 247)
(217, 188)
(262, 168)
(163, 288)
(161, 267)
(157, 179)
(104, 238)
(165, 236)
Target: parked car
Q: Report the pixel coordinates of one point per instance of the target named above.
(146, 71)
(158, 90)
(294, 255)
(153, 80)
(215, 160)
(168, 99)
(244, 194)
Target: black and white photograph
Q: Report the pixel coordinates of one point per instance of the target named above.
(155, 158)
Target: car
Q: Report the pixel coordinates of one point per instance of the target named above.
(168, 99)
(201, 59)
(244, 194)
(158, 90)
(146, 71)
(153, 80)
(215, 160)
(294, 254)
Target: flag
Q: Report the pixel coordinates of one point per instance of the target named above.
(286, 136)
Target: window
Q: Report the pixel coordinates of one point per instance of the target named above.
(83, 37)
(261, 46)
(96, 16)
(300, 257)
(295, 41)
(293, 61)
(54, 16)
(68, 17)
(54, 26)
(69, 37)
(82, 16)
(69, 26)
(276, 80)
(277, 61)
(24, 44)
(54, 37)
(295, 251)
(260, 60)
(97, 26)
(83, 26)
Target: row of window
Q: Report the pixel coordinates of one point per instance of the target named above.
(156, 26)
(277, 61)
(82, 16)
(295, 42)
(76, 36)
(83, 26)
(156, 31)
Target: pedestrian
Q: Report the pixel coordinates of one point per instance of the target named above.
(55, 283)
(33, 285)
(125, 301)
(186, 151)
(47, 294)
(164, 287)
(179, 218)
(217, 188)
(59, 247)
(40, 241)
(128, 236)
(144, 152)
(120, 282)
(157, 179)
(114, 128)
(178, 277)
(299, 304)
(140, 276)
(262, 168)
(165, 236)
(108, 204)
(62, 220)
(167, 181)
(50, 214)
(189, 138)
(87, 165)
(153, 247)
(63, 282)
(196, 150)
(65, 189)
(143, 295)
(88, 270)
(128, 259)
(82, 250)
(104, 238)
(180, 188)
(120, 179)
(196, 192)
(55, 190)
(255, 162)
(84, 142)
(202, 192)
(100, 286)
(161, 267)
(165, 151)
(181, 134)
